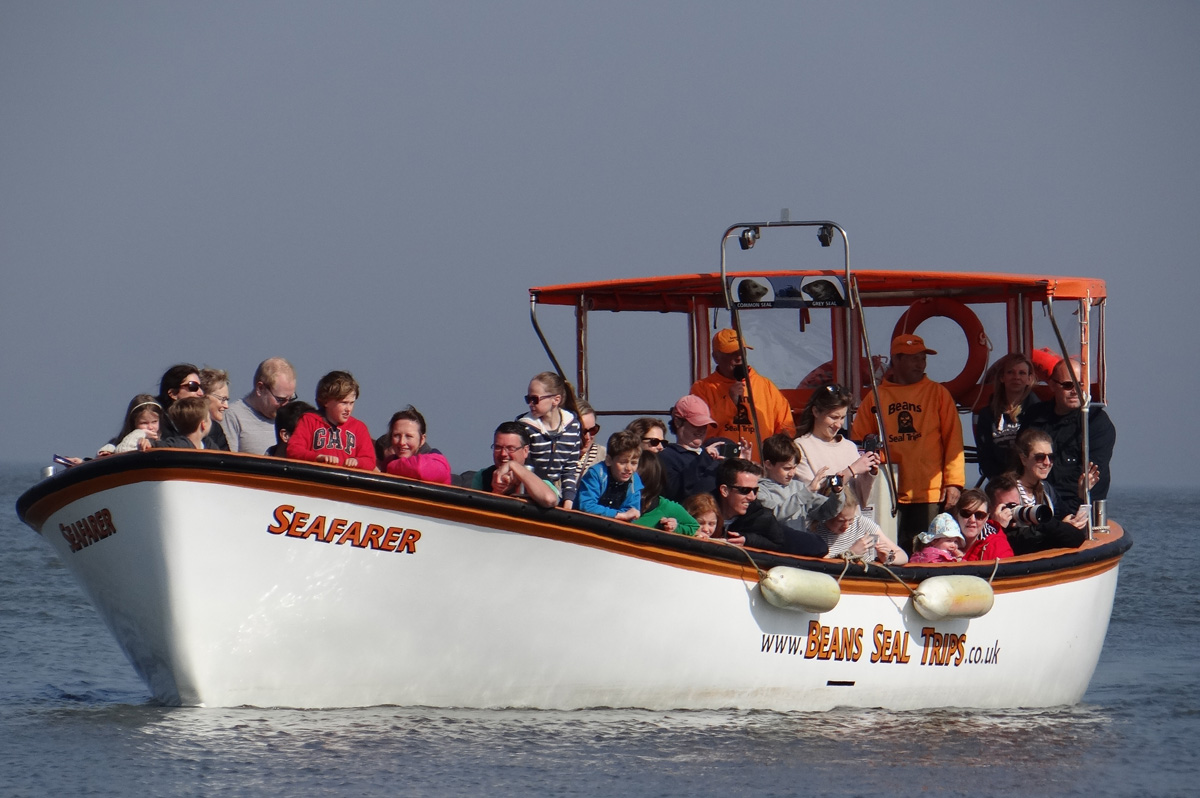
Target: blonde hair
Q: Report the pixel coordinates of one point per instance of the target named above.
(556, 385)
(1000, 401)
(210, 378)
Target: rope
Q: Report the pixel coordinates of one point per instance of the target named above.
(983, 384)
(761, 573)
(849, 558)
(890, 573)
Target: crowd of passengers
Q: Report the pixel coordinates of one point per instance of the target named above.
(701, 473)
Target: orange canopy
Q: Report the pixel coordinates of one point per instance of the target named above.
(877, 287)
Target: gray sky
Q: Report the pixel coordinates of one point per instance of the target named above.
(374, 186)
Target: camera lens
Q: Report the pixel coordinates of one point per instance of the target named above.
(1032, 514)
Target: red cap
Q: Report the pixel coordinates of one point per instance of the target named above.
(694, 411)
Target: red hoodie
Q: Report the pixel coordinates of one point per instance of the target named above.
(314, 435)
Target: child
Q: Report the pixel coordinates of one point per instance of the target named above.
(333, 436)
(613, 488)
(143, 419)
(189, 416)
(555, 431)
(286, 419)
(703, 507)
(659, 512)
(792, 502)
(942, 542)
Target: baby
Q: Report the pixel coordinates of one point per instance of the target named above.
(942, 542)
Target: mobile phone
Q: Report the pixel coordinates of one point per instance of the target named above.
(62, 461)
(730, 450)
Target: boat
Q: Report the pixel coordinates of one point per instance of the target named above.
(231, 579)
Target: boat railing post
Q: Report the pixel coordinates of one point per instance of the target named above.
(889, 476)
(537, 328)
(736, 321)
(1084, 402)
(749, 235)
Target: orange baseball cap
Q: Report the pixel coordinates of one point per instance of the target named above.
(910, 345)
(726, 342)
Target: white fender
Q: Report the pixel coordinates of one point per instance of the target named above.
(797, 589)
(957, 596)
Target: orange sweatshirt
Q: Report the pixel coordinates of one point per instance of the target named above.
(924, 437)
(773, 411)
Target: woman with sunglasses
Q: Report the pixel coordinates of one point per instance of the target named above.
(1036, 455)
(999, 423)
(984, 542)
(651, 432)
(179, 382)
(591, 451)
(826, 451)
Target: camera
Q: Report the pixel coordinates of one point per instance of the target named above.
(835, 481)
(871, 443)
(730, 450)
(1032, 514)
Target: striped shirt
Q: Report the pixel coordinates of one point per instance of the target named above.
(861, 527)
(553, 454)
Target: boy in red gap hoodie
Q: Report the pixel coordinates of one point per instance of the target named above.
(332, 436)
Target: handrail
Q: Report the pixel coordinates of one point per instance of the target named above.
(889, 478)
(827, 228)
(537, 328)
(1085, 402)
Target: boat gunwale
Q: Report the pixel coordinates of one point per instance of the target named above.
(300, 477)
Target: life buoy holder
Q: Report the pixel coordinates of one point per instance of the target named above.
(966, 384)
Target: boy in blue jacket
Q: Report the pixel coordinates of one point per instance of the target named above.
(613, 488)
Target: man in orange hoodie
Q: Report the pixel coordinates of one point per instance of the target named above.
(924, 437)
(724, 391)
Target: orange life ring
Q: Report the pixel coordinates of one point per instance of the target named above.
(964, 386)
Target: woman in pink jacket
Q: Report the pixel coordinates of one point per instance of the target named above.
(414, 459)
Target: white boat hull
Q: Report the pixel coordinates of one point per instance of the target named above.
(216, 604)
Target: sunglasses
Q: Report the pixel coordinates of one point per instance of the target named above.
(654, 443)
(280, 400)
(593, 431)
(533, 400)
(1066, 385)
(743, 490)
(191, 386)
(979, 515)
(1041, 457)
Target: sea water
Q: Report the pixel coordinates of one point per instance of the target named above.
(75, 720)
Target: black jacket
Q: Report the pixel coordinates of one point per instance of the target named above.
(687, 473)
(763, 530)
(1066, 432)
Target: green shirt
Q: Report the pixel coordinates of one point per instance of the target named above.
(669, 509)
